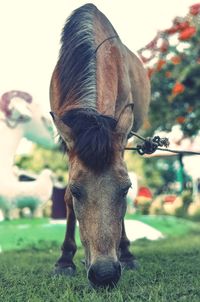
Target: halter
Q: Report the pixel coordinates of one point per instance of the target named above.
(109, 38)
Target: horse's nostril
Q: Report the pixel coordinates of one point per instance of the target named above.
(104, 273)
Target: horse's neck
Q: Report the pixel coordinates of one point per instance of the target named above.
(9, 141)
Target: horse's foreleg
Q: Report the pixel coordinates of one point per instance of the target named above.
(65, 264)
(126, 258)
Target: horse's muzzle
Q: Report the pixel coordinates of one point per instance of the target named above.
(104, 273)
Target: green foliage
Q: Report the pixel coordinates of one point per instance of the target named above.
(143, 205)
(159, 173)
(196, 216)
(187, 198)
(41, 158)
(172, 60)
(134, 163)
(175, 76)
(156, 173)
(182, 108)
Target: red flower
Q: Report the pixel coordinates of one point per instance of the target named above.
(168, 74)
(170, 198)
(150, 72)
(160, 64)
(195, 9)
(176, 60)
(145, 192)
(187, 33)
(190, 109)
(180, 119)
(178, 88)
(164, 47)
(183, 25)
(152, 44)
(178, 26)
(172, 29)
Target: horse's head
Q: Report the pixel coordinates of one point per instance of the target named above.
(20, 111)
(98, 183)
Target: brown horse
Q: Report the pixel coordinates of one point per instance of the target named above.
(99, 93)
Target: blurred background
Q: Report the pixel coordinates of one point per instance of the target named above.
(33, 170)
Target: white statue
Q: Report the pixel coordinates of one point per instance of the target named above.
(20, 117)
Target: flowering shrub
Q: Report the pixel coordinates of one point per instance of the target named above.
(171, 205)
(178, 88)
(187, 33)
(195, 9)
(156, 207)
(176, 60)
(172, 60)
(194, 211)
(143, 204)
(180, 119)
(174, 207)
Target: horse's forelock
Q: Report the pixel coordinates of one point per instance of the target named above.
(93, 137)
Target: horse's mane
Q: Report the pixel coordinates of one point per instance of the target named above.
(77, 62)
(93, 136)
(76, 68)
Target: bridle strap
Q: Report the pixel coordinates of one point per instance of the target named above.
(109, 38)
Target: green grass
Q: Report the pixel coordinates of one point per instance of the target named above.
(169, 271)
(22, 233)
(168, 225)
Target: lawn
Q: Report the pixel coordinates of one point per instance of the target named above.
(23, 233)
(168, 225)
(169, 271)
(19, 234)
(169, 268)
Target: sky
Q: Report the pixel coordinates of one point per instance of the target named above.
(30, 34)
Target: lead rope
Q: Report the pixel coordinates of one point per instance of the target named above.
(150, 145)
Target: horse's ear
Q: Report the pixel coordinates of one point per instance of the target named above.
(125, 124)
(64, 131)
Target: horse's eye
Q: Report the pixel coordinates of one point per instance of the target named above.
(124, 191)
(76, 192)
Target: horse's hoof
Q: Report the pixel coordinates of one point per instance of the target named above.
(66, 271)
(131, 264)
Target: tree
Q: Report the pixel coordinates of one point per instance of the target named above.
(172, 59)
